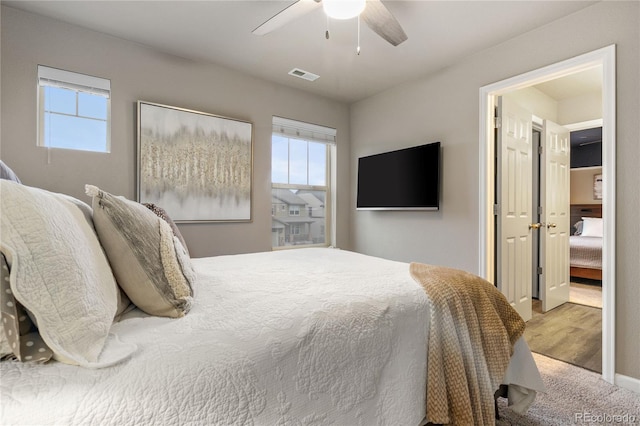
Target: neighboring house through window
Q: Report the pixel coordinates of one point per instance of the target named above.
(301, 158)
(74, 110)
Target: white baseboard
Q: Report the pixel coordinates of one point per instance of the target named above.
(627, 382)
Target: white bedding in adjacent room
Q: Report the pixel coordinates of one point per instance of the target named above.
(308, 337)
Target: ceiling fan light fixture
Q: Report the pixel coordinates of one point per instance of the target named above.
(343, 9)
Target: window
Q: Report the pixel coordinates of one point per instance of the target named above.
(73, 110)
(301, 157)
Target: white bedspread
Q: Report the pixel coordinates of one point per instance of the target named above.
(300, 337)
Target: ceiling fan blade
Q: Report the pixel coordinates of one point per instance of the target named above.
(290, 13)
(381, 21)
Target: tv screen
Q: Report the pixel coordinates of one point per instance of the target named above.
(406, 179)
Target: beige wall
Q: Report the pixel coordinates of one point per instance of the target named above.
(582, 185)
(139, 73)
(445, 107)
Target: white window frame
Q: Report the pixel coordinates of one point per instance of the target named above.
(313, 133)
(294, 210)
(79, 83)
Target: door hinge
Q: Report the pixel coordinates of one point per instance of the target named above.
(539, 270)
(539, 209)
(496, 209)
(539, 149)
(497, 122)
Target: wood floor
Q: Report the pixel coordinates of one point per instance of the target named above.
(570, 333)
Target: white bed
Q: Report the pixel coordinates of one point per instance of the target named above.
(586, 253)
(585, 250)
(305, 336)
(309, 336)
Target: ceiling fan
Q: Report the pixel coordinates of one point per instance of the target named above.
(373, 12)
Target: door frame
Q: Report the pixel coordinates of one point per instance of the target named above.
(606, 58)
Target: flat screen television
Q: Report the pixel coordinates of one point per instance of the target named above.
(406, 179)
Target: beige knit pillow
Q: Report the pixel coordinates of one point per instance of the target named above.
(149, 262)
(162, 214)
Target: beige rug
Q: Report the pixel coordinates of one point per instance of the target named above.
(585, 294)
(574, 396)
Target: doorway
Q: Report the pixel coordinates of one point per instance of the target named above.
(532, 200)
(605, 58)
(571, 330)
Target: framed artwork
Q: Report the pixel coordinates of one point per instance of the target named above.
(597, 186)
(196, 166)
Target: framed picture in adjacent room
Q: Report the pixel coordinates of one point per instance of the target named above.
(195, 165)
(597, 186)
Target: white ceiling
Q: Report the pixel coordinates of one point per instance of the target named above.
(573, 85)
(440, 34)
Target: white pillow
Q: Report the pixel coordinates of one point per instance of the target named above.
(592, 227)
(59, 272)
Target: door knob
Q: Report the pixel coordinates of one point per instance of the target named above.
(551, 225)
(534, 225)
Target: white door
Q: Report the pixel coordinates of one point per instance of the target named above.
(554, 199)
(514, 199)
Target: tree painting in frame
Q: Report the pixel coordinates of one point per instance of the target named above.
(196, 166)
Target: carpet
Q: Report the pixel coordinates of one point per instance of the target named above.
(574, 396)
(585, 294)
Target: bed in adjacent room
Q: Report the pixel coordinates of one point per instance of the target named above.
(585, 245)
(307, 336)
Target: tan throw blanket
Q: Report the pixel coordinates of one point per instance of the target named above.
(471, 336)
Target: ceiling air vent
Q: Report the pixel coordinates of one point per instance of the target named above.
(297, 72)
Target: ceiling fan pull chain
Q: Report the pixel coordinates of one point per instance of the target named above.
(358, 48)
(326, 34)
